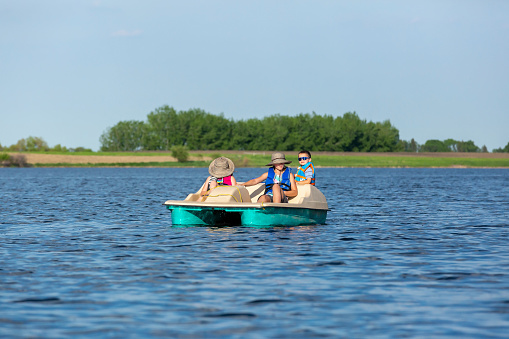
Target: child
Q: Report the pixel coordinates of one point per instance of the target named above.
(306, 172)
(279, 181)
(221, 170)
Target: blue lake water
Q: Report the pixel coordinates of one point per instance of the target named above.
(405, 253)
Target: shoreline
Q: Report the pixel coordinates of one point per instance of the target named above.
(256, 159)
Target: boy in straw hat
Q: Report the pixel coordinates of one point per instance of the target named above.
(279, 181)
(221, 170)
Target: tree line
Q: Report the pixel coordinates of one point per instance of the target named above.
(502, 150)
(38, 144)
(448, 145)
(196, 129)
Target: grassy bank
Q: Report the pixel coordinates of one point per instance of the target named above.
(259, 159)
(129, 164)
(395, 161)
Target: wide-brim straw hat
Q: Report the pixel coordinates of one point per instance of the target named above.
(278, 158)
(221, 167)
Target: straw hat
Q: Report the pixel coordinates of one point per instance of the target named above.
(278, 158)
(221, 167)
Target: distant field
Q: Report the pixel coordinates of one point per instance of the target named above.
(260, 158)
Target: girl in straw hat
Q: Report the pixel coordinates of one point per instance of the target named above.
(221, 170)
(279, 181)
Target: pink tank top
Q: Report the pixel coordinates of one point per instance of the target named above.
(225, 181)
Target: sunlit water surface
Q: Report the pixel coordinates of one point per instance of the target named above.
(404, 253)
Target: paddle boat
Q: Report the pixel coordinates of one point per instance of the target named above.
(238, 206)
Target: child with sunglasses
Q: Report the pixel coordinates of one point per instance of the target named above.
(306, 171)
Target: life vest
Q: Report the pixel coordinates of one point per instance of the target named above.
(301, 176)
(285, 180)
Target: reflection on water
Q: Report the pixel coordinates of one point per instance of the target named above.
(404, 253)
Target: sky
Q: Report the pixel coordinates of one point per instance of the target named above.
(69, 70)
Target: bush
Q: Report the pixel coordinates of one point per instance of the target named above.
(17, 160)
(80, 149)
(180, 152)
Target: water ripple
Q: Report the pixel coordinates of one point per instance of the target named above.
(405, 253)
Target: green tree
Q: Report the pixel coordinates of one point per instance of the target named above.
(382, 137)
(461, 146)
(20, 146)
(451, 144)
(124, 136)
(242, 136)
(31, 144)
(162, 129)
(502, 150)
(252, 136)
(467, 146)
(434, 145)
(410, 146)
(59, 148)
(36, 144)
(349, 133)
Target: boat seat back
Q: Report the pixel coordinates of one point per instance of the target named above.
(193, 197)
(310, 196)
(231, 194)
(256, 191)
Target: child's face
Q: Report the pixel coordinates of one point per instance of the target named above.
(304, 155)
(279, 167)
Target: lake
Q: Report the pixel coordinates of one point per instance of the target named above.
(405, 253)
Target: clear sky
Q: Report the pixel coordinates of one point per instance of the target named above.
(435, 69)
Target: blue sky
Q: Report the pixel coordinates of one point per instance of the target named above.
(435, 69)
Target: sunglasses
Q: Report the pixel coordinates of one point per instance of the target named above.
(303, 158)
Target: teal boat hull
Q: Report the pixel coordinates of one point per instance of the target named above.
(239, 206)
(235, 216)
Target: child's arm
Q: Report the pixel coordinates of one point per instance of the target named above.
(293, 187)
(204, 187)
(234, 182)
(258, 180)
(303, 182)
